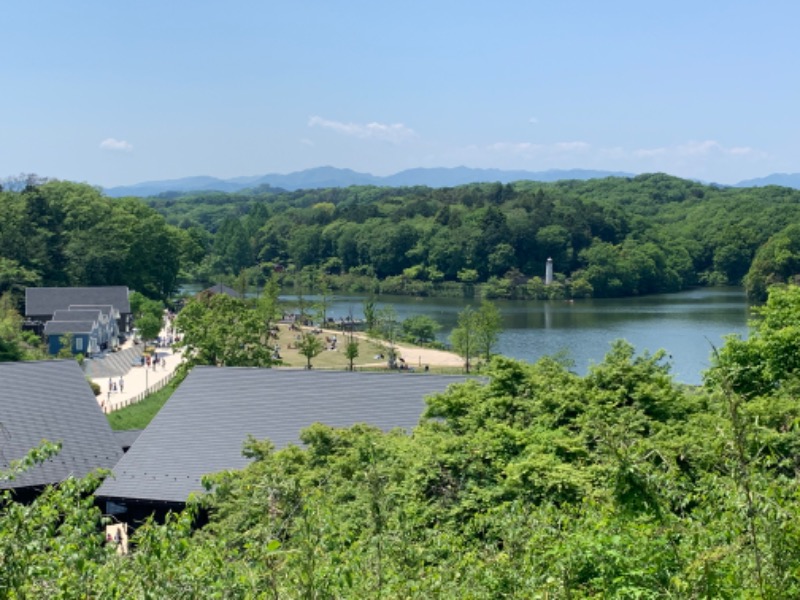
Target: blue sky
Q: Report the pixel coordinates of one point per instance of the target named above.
(115, 93)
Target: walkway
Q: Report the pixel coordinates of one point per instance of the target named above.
(113, 364)
(124, 366)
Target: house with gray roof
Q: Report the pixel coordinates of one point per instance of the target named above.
(86, 339)
(108, 318)
(203, 426)
(42, 302)
(84, 336)
(51, 400)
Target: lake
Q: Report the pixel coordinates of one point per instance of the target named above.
(686, 324)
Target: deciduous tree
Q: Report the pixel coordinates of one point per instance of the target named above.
(309, 346)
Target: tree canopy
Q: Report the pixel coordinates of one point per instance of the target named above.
(533, 482)
(609, 237)
(58, 233)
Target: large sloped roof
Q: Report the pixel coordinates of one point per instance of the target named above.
(51, 400)
(203, 426)
(47, 300)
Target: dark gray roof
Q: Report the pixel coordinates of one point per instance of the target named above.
(62, 327)
(77, 315)
(202, 427)
(51, 400)
(47, 300)
(126, 437)
(106, 309)
(222, 289)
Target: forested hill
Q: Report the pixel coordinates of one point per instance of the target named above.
(607, 237)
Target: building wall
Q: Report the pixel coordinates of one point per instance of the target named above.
(80, 343)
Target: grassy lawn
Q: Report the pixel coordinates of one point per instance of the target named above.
(327, 359)
(139, 415)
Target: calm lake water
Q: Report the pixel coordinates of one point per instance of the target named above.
(685, 324)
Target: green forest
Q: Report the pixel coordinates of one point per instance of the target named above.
(531, 483)
(607, 237)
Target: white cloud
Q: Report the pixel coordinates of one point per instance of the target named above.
(741, 150)
(695, 149)
(533, 120)
(395, 132)
(307, 142)
(116, 145)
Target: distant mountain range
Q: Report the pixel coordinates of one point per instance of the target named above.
(325, 177)
(791, 180)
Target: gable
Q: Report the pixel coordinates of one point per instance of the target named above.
(203, 426)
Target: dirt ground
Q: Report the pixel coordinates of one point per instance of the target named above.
(369, 351)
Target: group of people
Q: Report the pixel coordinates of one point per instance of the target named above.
(153, 361)
(330, 342)
(114, 386)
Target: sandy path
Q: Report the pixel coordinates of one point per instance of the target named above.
(413, 355)
(427, 356)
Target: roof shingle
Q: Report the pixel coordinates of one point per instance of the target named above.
(202, 428)
(51, 400)
(47, 300)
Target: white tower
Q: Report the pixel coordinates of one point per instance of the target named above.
(548, 272)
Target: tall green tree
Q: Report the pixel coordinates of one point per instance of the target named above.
(488, 326)
(233, 247)
(420, 329)
(309, 346)
(222, 331)
(464, 337)
(11, 345)
(386, 332)
(768, 359)
(777, 261)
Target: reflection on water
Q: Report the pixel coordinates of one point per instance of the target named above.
(687, 324)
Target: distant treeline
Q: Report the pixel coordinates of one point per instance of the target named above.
(607, 237)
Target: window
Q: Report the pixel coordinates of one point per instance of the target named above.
(79, 344)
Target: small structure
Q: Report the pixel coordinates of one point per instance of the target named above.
(85, 336)
(203, 426)
(220, 289)
(108, 321)
(50, 400)
(42, 302)
(548, 272)
(93, 329)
